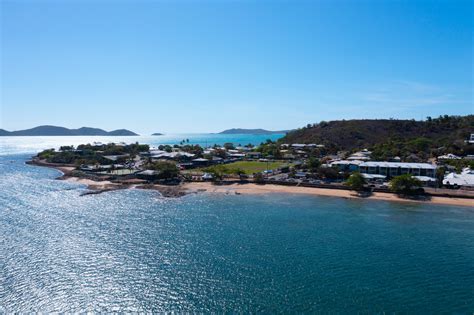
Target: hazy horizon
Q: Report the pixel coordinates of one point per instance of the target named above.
(207, 132)
(200, 67)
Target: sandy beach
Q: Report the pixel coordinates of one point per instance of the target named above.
(250, 189)
(268, 188)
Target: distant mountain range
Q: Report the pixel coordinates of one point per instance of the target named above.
(62, 131)
(235, 131)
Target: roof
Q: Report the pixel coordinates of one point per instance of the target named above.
(346, 162)
(373, 176)
(147, 172)
(425, 178)
(236, 154)
(358, 158)
(201, 160)
(398, 164)
(449, 156)
(115, 157)
(466, 178)
(172, 155)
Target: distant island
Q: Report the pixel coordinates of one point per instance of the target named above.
(62, 131)
(157, 134)
(235, 131)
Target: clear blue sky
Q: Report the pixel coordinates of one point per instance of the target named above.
(204, 66)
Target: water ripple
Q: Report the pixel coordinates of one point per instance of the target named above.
(132, 251)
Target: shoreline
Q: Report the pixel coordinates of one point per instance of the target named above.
(258, 189)
(186, 188)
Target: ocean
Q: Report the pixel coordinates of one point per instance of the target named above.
(133, 250)
(10, 145)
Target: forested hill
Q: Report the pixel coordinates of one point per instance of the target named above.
(357, 134)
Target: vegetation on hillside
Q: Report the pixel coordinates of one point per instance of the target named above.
(389, 137)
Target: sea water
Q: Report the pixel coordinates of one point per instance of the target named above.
(132, 250)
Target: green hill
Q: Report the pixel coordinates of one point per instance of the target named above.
(446, 133)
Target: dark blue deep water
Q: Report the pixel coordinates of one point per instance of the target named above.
(135, 251)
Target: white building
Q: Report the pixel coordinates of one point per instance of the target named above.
(363, 155)
(448, 156)
(391, 169)
(466, 178)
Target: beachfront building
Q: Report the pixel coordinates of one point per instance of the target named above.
(346, 165)
(391, 169)
(465, 179)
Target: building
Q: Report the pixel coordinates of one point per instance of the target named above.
(254, 155)
(471, 139)
(346, 165)
(363, 155)
(448, 156)
(391, 169)
(465, 179)
(201, 162)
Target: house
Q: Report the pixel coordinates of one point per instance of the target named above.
(254, 155)
(298, 146)
(116, 157)
(236, 155)
(391, 169)
(363, 155)
(217, 159)
(148, 174)
(175, 155)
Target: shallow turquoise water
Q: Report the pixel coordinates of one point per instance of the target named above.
(135, 251)
(19, 145)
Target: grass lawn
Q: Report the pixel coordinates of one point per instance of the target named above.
(249, 167)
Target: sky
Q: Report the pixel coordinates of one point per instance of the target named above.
(206, 66)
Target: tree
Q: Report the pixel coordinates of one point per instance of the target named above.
(229, 146)
(313, 164)
(327, 172)
(166, 170)
(356, 181)
(237, 171)
(405, 184)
